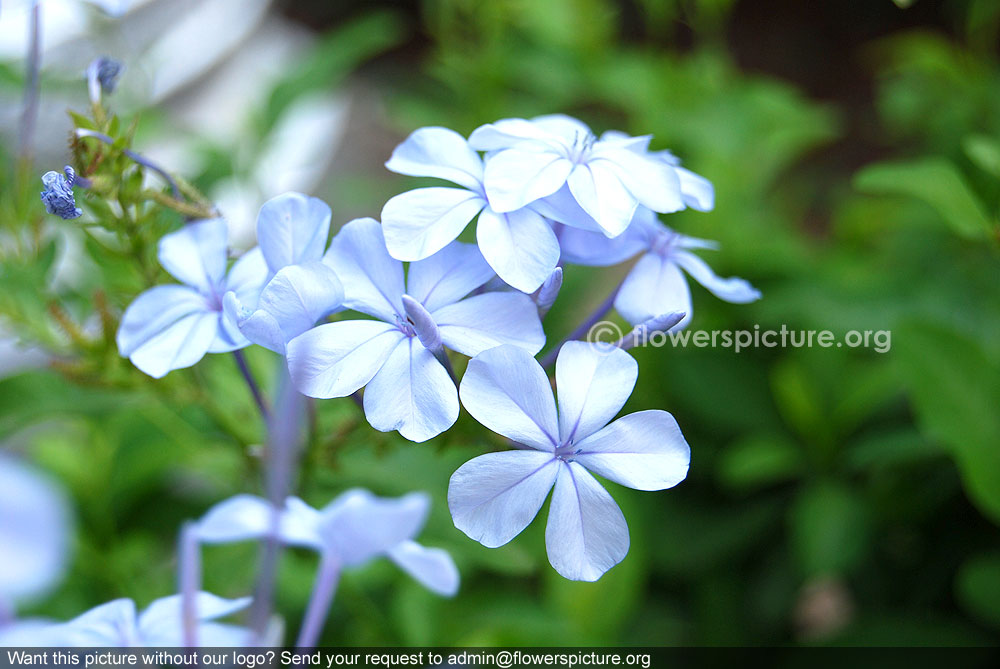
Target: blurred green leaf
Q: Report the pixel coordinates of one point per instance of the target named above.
(829, 529)
(759, 461)
(977, 587)
(955, 390)
(934, 181)
(892, 449)
(39, 395)
(984, 152)
(800, 401)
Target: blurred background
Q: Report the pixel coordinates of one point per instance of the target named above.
(835, 495)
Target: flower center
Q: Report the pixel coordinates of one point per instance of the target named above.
(579, 151)
(664, 243)
(405, 326)
(567, 452)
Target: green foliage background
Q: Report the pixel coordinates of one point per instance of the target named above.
(835, 495)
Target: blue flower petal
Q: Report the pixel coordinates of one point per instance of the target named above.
(482, 322)
(520, 246)
(433, 568)
(372, 279)
(493, 497)
(358, 526)
(336, 359)
(506, 390)
(167, 327)
(438, 152)
(732, 289)
(643, 450)
(515, 177)
(593, 383)
(411, 393)
(655, 286)
(602, 195)
(196, 254)
(447, 276)
(421, 222)
(586, 534)
(292, 229)
(34, 534)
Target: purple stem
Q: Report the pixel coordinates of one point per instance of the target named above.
(581, 331)
(190, 584)
(319, 602)
(137, 157)
(284, 438)
(30, 113)
(258, 397)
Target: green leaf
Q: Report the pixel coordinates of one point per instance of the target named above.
(829, 529)
(800, 401)
(934, 181)
(977, 587)
(34, 396)
(892, 449)
(955, 389)
(759, 461)
(984, 152)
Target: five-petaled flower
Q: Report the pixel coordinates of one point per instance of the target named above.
(400, 358)
(173, 326)
(495, 496)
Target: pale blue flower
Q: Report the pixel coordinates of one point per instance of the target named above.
(407, 385)
(655, 285)
(117, 624)
(34, 532)
(292, 230)
(557, 165)
(58, 195)
(518, 244)
(173, 326)
(494, 497)
(350, 531)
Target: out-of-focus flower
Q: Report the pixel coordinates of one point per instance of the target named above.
(173, 326)
(518, 244)
(291, 232)
(58, 195)
(655, 285)
(351, 530)
(117, 624)
(102, 77)
(34, 532)
(408, 387)
(493, 497)
(559, 156)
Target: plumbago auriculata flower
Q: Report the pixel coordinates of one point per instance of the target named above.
(377, 311)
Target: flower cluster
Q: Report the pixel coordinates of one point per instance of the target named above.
(545, 193)
(378, 310)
